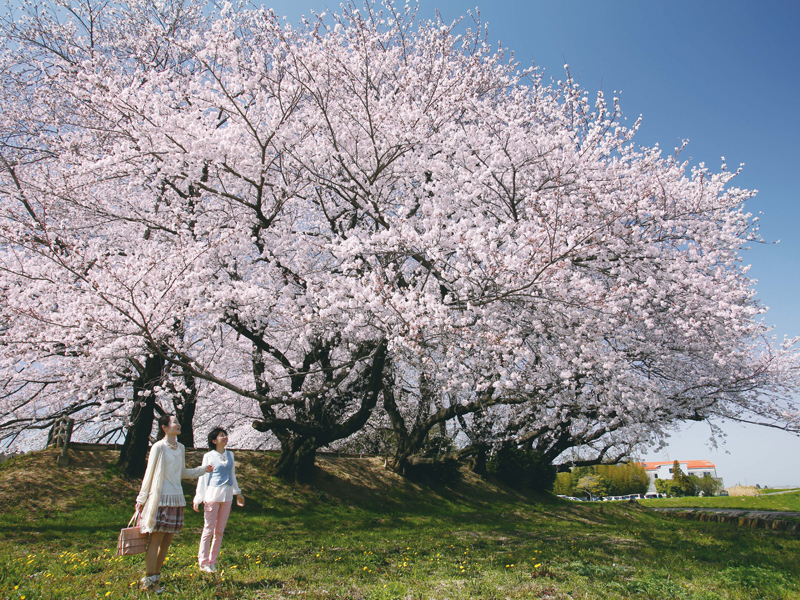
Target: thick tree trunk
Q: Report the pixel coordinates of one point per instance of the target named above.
(296, 462)
(133, 456)
(311, 428)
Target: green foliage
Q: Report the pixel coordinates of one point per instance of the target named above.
(708, 485)
(687, 485)
(592, 485)
(522, 469)
(611, 480)
(624, 479)
(670, 487)
(563, 485)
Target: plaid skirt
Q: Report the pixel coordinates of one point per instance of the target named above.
(169, 519)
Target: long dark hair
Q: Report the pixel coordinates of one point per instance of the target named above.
(212, 435)
(163, 421)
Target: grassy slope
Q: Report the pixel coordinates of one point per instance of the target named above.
(783, 502)
(363, 533)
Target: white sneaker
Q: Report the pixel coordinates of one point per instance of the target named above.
(208, 569)
(213, 568)
(150, 584)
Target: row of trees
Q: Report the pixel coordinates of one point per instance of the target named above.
(603, 480)
(360, 225)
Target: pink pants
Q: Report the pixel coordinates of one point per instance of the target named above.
(216, 517)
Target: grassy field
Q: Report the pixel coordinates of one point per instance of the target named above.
(361, 533)
(784, 502)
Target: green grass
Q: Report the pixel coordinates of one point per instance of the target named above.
(783, 502)
(363, 534)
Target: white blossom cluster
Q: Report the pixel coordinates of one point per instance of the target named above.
(285, 213)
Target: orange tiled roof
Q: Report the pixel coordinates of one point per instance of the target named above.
(690, 464)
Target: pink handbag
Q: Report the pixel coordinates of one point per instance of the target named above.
(131, 539)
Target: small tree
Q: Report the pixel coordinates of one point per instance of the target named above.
(592, 485)
(710, 486)
(680, 484)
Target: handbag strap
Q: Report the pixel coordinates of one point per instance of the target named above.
(133, 518)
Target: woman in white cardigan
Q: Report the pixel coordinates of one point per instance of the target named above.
(160, 502)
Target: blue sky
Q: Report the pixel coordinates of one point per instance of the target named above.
(726, 77)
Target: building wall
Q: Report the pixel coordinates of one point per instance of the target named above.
(665, 472)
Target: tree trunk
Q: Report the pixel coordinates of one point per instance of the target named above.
(296, 462)
(310, 429)
(480, 460)
(133, 456)
(185, 403)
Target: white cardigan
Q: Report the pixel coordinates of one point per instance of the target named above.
(153, 482)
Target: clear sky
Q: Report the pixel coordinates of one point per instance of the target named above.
(726, 77)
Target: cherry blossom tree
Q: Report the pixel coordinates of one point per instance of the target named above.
(361, 215)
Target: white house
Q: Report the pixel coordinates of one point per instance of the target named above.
(663, 470)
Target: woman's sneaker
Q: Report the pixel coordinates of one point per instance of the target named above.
(150, 584)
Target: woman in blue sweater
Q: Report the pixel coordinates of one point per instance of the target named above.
(216, 491)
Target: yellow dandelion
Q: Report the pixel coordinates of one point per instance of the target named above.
(537, 566)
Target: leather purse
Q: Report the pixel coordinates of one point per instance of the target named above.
(131, 540)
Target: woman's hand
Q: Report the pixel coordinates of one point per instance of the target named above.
(209, 468)
(239, 500)
(196, 507)
(139, 507)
